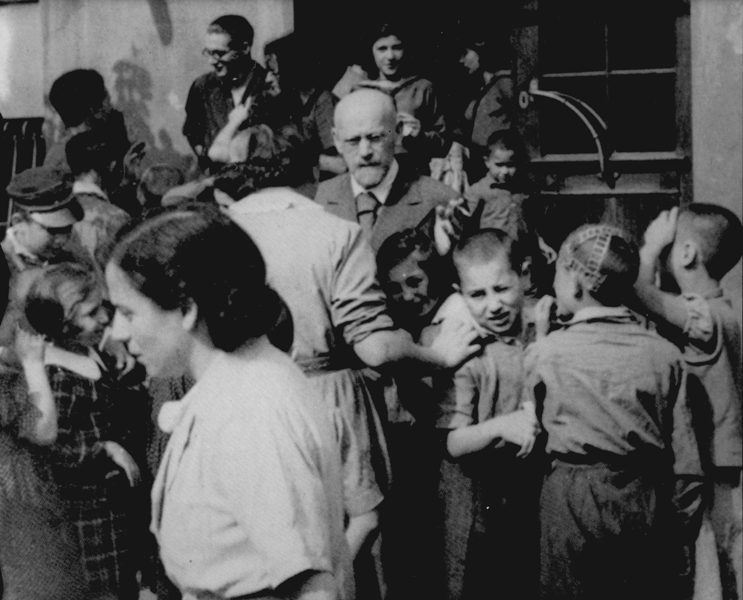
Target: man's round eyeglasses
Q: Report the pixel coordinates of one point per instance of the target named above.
(217, 54)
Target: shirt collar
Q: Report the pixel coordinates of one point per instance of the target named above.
(591, 313)
(382, 190)
(88, 187)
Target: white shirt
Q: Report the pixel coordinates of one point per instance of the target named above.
(382, 190)
(249, 493)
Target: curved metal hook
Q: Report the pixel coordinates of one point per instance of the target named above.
(575, 105)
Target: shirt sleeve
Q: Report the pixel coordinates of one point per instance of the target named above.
(458, 406)
(700, 327)
(273, 481)
(358, 304)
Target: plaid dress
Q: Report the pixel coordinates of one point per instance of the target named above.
(97, 490)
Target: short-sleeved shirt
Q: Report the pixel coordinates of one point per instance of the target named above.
(611, 388)
(248, 493)
(712, 350)
(486, 386)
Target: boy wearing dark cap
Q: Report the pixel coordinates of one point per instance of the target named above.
(41, 232)
(619, 434)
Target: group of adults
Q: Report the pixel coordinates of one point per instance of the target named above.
(258, 311)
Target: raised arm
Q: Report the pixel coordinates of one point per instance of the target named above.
(667, 307)
(30, 349)
(220, 149)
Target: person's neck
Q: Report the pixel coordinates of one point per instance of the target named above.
(201, 357)
(697, 281)
(487, 76)
(238, 79)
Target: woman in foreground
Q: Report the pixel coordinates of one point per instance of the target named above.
(247, 501)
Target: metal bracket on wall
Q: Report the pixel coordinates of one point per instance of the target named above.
(597, 127)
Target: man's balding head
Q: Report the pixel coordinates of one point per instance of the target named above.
(365, 133)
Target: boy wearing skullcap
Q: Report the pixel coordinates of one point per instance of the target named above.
(612, 398)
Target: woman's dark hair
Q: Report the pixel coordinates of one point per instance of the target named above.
(76, 94)
(377, 31)
(196, 255)
(53, 299)
(274, 159)
(401, 245)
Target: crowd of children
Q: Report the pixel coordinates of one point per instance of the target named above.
(591, 447)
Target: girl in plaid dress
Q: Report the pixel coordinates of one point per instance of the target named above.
(89, 459)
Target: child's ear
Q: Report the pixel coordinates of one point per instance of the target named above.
(526, 268)
(190, 317)
(689, 255)
(579, 289)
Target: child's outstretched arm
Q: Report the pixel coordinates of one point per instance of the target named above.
(660, 234)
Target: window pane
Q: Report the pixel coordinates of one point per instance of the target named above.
(642, 35)
(643, 112)
(562, 131)
(572, 36)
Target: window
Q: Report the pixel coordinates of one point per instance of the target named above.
(622, 59)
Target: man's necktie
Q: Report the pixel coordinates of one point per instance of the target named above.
(366, 209)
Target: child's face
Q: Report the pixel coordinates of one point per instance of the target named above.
(494, 294)
(91, 317)
(408, 287)
(500, 164)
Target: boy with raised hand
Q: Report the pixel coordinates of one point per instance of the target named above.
(700, 244)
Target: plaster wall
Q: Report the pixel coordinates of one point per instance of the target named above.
(717, 109)
(148, 51)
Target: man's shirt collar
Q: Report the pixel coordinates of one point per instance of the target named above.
(382, 190)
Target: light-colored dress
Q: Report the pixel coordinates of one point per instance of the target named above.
(325, 272)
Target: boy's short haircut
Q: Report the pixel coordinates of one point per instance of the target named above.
(507, 139)
(718, 233)
(486, 245)
(606, 259)
(274, 159)
(237, 27)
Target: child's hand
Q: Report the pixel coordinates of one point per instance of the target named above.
(454, 344)
(545, 313)
(29, 347)
(447, 228)
(661, 232)
(122, 458)
(411, 127)
(521, 428)
(240, 112)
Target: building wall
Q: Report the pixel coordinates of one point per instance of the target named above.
(148, 51)
(717, 108)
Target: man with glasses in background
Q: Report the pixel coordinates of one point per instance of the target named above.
(236, 82)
